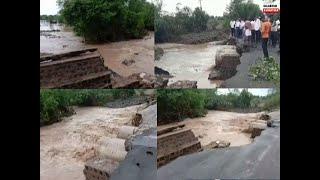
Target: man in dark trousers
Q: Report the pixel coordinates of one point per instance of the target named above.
(265, 32)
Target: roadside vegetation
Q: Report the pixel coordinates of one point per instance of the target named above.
(177, 104)
(101, 21)
(55, 104)
(266, 69)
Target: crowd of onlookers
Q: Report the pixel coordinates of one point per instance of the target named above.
(256, 31)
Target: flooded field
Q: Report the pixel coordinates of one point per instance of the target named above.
(189, 62)
(57, 38)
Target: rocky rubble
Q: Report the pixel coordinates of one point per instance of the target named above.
(128, 62)
(186, 84)
(158, 53)
(138, 80)
(217, 144)
(161, 72)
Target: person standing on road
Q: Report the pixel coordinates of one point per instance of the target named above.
(232, 26)
(278, 28)
(247, 32)
(237, 25)
(265, 31)
(253, 32)
(257, 26)
(274, 34)
(242, 24)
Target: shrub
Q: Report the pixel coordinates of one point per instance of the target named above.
(175, 105)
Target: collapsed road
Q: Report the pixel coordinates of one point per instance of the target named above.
(258, 160)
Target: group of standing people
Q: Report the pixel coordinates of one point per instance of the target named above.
(256, 31)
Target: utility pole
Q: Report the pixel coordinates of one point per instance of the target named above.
(200, 4)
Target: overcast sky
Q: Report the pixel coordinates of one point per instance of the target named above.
(254, 91)
(212, 7)
(50, 7)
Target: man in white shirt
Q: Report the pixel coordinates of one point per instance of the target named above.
(237, 25)
(257, 26)
(232, 26)
(247, 32)
(242, 23)
(253, 32)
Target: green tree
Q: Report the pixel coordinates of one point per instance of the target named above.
(200, 19)
(100, 20)
(242, 9)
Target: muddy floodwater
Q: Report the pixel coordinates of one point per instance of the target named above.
(189, 62)
(140, 51)
(65, 146)
(222, 126)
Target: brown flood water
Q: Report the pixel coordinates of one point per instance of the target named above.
(189, 62)
(139, 50)
(223, 126)
(66, 145)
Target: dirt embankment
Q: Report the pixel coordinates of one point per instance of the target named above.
(200, 37)
(65, 146)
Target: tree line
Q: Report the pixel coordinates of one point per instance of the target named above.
(51, 18)
(56, 103)
(175, 105)
(185, 20)
(113, 20)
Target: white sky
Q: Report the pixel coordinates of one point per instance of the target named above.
(50, 7)
(254, 91)
(212, 7)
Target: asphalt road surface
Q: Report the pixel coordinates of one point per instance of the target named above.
(242, 79)
(258, 160)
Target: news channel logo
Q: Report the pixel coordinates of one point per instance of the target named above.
(271, 6)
